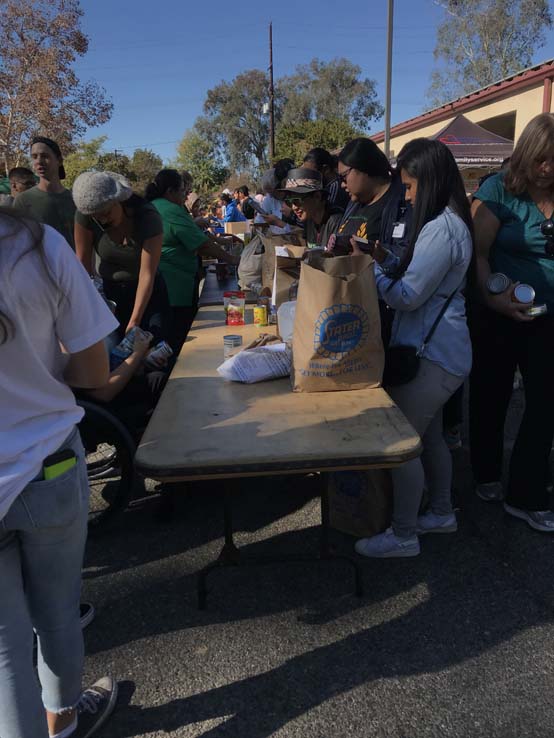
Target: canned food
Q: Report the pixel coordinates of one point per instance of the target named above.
(498, 283)
(523, 293)
(537, 310)
(231, 344)
(162, 351)
(260, 315)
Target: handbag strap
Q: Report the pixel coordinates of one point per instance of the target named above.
(437, 321)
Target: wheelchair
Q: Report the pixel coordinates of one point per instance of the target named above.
(110, 451)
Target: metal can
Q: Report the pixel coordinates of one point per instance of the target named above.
(523, 293)
(260, 315)
(231, 343)
(498, 283)
(162, 350)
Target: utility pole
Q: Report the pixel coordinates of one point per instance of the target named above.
(389, 77)
(271, 98)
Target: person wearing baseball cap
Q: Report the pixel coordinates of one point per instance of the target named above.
(49, 201)
(305, 193)
(126, 232)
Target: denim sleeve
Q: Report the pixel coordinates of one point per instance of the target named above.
(430, 264)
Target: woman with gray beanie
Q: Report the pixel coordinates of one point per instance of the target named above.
(126, 233)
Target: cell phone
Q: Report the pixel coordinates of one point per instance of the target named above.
(58, 463)
(537, 310)
(364, 244)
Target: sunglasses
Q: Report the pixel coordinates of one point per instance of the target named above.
(342, 177)
(547, 230)
(297, 199)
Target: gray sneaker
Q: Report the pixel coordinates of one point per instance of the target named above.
(429, 522)
(387, 545)
(95, 707)
(542, 520)
(490, 492)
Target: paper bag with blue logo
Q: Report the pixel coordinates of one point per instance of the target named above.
(337, 330)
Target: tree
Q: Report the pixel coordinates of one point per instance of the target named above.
(85, 155)
(145, 165)
(295, 140)
(329, 91)
(482, 41)
(39, 91)
(236, 120)
(113, 161)
(196, 155)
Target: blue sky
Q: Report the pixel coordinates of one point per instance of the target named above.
(157, 60)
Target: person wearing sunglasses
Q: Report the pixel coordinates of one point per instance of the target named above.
(305, 194)
(509, 212)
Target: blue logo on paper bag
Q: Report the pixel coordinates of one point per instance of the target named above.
(339, 330)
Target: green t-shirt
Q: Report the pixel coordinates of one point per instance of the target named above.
(121, 262)
(56, 209)
(518, 250)
(179, 262)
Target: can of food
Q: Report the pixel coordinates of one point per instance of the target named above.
(523, 293)
(498, 283)
(231, 344)
(537, 310)
(160, 353)
(260, 315)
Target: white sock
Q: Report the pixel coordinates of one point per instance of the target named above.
(66, 732)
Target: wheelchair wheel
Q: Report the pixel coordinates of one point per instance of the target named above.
(109, 455)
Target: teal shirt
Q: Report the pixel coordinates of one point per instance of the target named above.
(181, 241)
(518, 250)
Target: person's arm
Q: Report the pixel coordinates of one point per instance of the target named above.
(274, 221)
(486, 226)
(149, 261)
(84, 247)
(120, 377)
(214, 250)
(89, 368)
(431, 261)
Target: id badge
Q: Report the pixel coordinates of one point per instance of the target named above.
(398, 230)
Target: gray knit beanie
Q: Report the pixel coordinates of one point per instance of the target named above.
(94, 191)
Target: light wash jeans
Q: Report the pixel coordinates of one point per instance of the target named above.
(421, 401)
(42, 542)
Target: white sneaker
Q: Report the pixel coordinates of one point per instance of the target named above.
(387, 545)
(542, 520)
(430, 522)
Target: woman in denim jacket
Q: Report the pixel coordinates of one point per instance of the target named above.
(52, 326)
(417, 287)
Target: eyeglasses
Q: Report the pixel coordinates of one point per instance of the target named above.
(547, 230)
(342, 177)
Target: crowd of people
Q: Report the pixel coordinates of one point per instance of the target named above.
(81, 268)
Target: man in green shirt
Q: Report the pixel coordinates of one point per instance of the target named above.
(49, 202)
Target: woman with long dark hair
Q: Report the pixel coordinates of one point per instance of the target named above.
(52, 326)
(423, 287)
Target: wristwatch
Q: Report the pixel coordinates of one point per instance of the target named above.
(497, 283)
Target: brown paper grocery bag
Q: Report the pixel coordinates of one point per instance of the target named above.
(360, 503)
(337, 330)
(292, 240)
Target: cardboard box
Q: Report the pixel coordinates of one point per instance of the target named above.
(241, 226)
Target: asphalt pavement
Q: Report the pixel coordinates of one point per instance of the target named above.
(456, 643)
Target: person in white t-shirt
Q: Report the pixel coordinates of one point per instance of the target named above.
(52, 326)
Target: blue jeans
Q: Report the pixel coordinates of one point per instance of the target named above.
(42, 542)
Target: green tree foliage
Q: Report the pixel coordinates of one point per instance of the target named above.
(482, 41)
(85, 155)
(329, 90)
(40, 40)
(295, 140)
(196, 154)
(145, 165)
